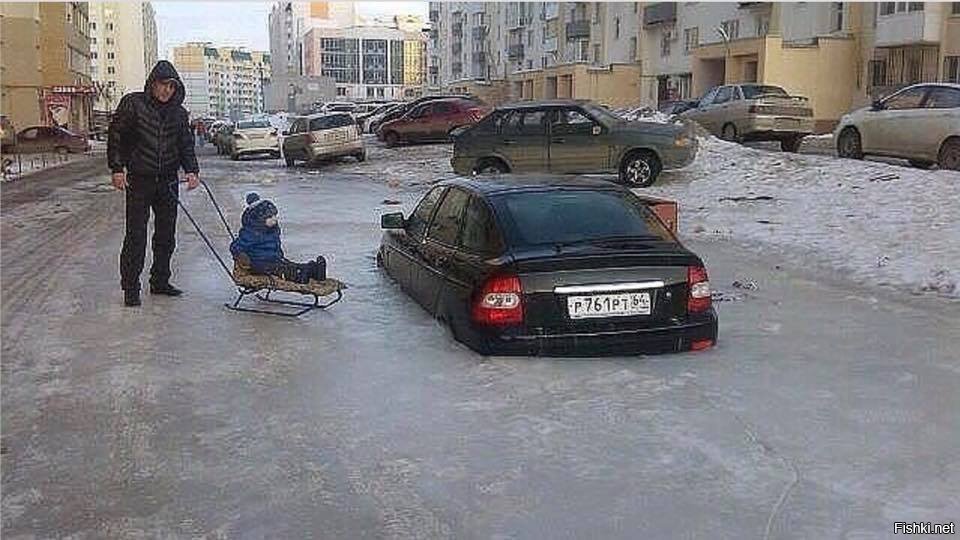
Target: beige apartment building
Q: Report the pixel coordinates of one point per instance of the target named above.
(223, 82)
(123, 49)
(838, 54)
(49, 82)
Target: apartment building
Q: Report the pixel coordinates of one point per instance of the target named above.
(123, 49)
(373, 59)
(45, 64)
(838, 54)
(287, 24)
(536, 50)
(224, 82)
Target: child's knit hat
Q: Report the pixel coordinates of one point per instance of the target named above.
(258, 210)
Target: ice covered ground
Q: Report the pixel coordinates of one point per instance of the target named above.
(881, 224)
(877, 223)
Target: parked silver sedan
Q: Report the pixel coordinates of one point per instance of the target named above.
(920, 123)
(754, 112)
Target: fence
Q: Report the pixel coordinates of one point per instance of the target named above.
(16, 164)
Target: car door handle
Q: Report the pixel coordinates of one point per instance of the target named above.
(509, 142)
(558, 140)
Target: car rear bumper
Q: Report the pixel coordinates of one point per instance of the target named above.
(671, 339)
(774, 127)
(250, 146)
(329, 151)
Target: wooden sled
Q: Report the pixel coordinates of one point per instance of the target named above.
(262, 285)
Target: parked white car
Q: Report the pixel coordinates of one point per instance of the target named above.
(254, 137)
(920, 123)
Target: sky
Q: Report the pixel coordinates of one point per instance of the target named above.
(241, 23)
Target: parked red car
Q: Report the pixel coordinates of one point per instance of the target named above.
(50, 139)
(433, 121)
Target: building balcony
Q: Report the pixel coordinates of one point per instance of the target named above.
(433, 70)
(907, 28)
(456, 48)
(550, 44)
(515, 52)
(663, 12)
(434, 15)
(551, 10)
(479, 32)
(578, 29)
(479, 57)
(457, 29)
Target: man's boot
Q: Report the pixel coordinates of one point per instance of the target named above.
(131, 298)
(165, 289)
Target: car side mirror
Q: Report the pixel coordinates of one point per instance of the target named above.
(596, 130)
(877, 105)
(392, 221)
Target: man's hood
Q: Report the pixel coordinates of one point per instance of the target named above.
(165, 70)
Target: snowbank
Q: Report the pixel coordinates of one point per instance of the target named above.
(879, 223)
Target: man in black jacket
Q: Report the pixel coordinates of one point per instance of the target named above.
(148, 142)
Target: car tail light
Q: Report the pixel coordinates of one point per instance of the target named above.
(699, 286)
(701, 344)
(499, 303)
(475, 113)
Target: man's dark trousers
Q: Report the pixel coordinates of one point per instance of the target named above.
(144, 194)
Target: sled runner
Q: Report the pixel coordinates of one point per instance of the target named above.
(263, 285)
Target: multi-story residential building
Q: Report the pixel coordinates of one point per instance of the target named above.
(369, 60)
(123, 48)
(914, 42)
(45, 64)
(536, 50)
(287, 23)
(838, 54)
(225, 82)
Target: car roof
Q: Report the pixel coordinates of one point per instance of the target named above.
(515, 183)
(319, 115)
(545, 103)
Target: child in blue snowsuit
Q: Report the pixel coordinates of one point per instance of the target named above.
(259, 243)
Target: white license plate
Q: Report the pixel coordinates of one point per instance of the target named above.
(608, 305)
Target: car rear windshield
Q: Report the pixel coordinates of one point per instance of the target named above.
(577, 216)
(753, 91)
(253, 124)
(331, 121)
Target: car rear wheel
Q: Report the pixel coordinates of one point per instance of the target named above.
(640, 169)
(791, 144)
(729, 133)
(391, 138)
(949, 157)
(848, 144)
(920, 163)
(491, 166)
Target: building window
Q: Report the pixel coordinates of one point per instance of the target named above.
(109, 41)
(691, 39)
(916, 6)
(596, 54)
(110, 26)
(93, 55)
(665, 44)
(731, 29)
(633, 48)
(616, 31)
(110, 56)
(887, 8)
(111, 70)
(93, 26)
(951, 69)
(596, 12)
(837, 16)
(636, 7)
(902, 7)
(955, 8)
(341, 91)
(93, 41)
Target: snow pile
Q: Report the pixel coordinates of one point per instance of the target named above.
(879, 223)
(644, 114)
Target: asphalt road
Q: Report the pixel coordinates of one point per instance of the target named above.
(826, 410)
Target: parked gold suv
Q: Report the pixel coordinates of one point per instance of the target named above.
(754, 112)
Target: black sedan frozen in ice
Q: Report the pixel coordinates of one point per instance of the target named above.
(549, 266)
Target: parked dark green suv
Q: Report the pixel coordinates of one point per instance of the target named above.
(571, 137)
